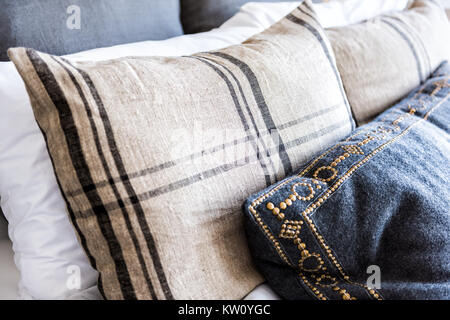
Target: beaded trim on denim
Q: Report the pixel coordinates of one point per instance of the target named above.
(314, 185)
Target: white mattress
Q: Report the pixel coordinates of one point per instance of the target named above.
(9, 275)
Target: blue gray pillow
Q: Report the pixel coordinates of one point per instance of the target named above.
(370, 217)
(67, 26)
(204, 15)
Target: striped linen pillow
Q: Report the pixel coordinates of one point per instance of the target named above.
(155, 155)
(385, 58)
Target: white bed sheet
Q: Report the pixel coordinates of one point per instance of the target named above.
(262, 292)
(9, 275)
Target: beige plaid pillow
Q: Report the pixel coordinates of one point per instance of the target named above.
(155, 156)
(385, 58)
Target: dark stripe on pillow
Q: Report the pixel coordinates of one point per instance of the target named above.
(261, 102)
(308, 117)
(241, 116)
(249, 111)
(326, 50)
(410, 44)
(82, 170)
(128, 187)
(315, 135)
(413, 33)
(222, 147)
(309, 14)
(74, 221)
(107, 170)
(210, 173)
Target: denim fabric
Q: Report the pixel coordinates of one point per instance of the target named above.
(42, 24)
(379, 198)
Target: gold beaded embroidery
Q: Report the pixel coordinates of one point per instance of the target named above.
(329, 169)
(290, 229)
(311, 258)
(303, 198)
(353, 149)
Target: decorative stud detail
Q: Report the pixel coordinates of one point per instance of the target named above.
(308, 197)
(328, 169)
(290, 229)
(353, 149)
(310, 258)
(325, 280)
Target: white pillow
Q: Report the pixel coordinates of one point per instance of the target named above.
(331, 14)
(44, 241)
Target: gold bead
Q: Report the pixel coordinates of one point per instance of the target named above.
(283, 205)
(270, 206)
(288, 202)
(276, 211)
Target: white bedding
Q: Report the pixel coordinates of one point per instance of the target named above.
(262, 292)
(9, 275)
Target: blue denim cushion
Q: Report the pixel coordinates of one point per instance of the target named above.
(379, 198)
(42, 24)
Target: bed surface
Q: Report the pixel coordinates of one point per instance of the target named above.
(9, 275)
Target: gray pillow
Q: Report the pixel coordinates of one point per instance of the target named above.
(52, 25)
(204, 15)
